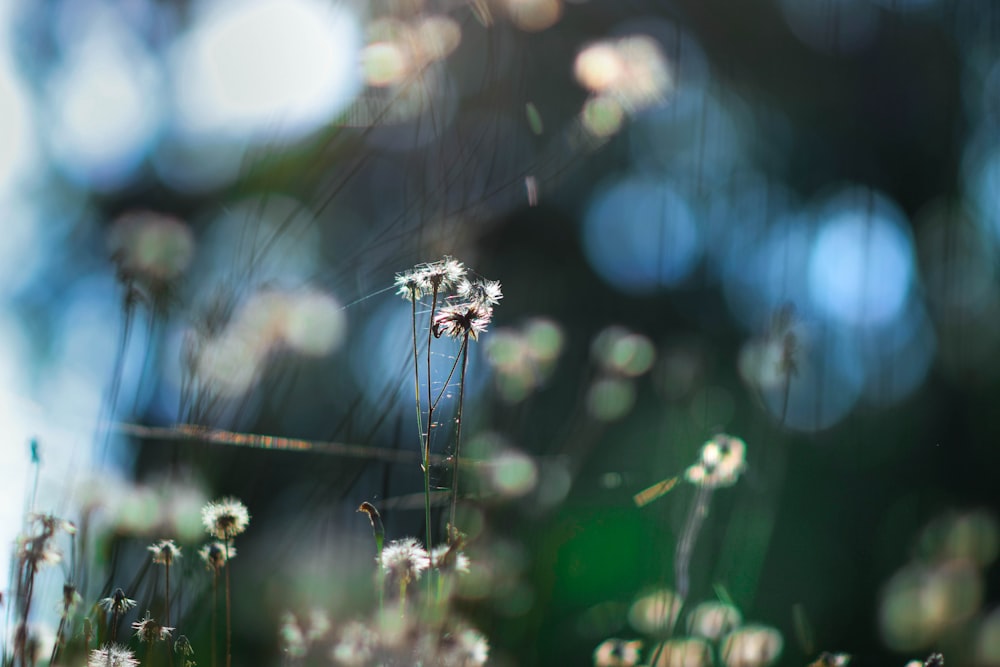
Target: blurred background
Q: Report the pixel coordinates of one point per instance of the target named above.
(776, 219)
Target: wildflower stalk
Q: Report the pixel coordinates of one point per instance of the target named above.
(69, 594)
(166, 602)
(379, 532)
(229, 626)
(458, 427)
(685, 547)
(430, 421)
(215, 615)
(425, 453)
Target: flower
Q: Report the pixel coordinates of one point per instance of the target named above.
(410, 285)
(482, 292)
(458, 320)
(465, 648)
(448, 559)
(356, 645)
(36, 552)
(148, 630)
(165, 552)
(684, 652)
(720, 462)
(434, 277)
(183, 646)
(112, 655)
(712, 620)
(751, 646)
(617, 653)
(293, 641)
(117, 603)
(404, 559)
(216, 555)
(444, 273)
(70, 599)
(226, 518)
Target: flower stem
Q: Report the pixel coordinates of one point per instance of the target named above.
(458, 427)
(430, 421)
(229, 616)
(166, 603)
(425, 450)
(685, 547)
(215, 614)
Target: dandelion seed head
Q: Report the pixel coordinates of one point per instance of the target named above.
(720, 463)
(447, 559)
(225, 519)
(712, 620)
(464, 648)
(752, 646)
(36, 551)
(445, 273)
(456, 321)
(355, 646)
(117, 603)
(617, 653)
(655, 612)
(148, 630)
(165, 552)
(70, 600)
(49, 524)
(686, 652)
(411, 285)
(183, 646)
(482, 292)
(216, 555)
(112, 655)
(293, 640)
(404, 559)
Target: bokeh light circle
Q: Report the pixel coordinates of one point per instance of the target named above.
(640, 235)
(861, 266)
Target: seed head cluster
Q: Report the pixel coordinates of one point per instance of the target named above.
(432, 278)
(467, 312)
(149, 630)
(225, 519)
(112, 655)
(116, 603)
(404, 560)
(165, 552)
(216, 555)
(720, 462)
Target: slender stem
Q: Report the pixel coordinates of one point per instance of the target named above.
(447, 381)
(113, 630)
(59, 637)
(458, 427)
(425, 451)
(215, 614)
(166, 602)
(229, 617)
(685, 548)
(430, 414)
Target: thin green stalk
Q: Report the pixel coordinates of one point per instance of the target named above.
(458, 427)
(451, 374)
(229, 615)
(430, 421)
(379, 533)
(166, 602)
(685, 548)
(215, 614)
(425, 449)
